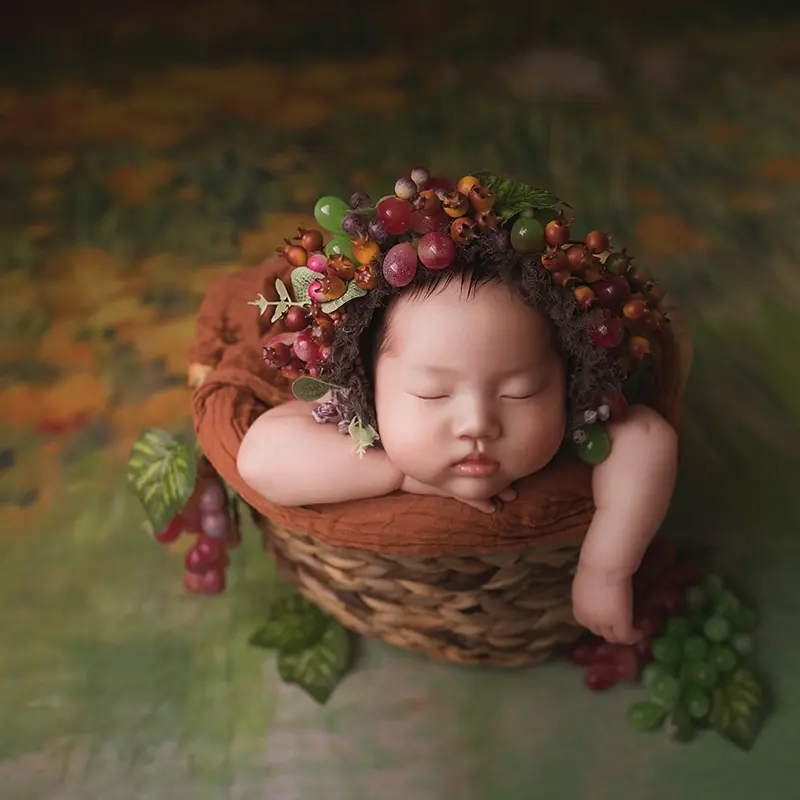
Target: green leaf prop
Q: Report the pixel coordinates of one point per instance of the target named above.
(353, 291)
(513, 197)
(319, 668)
(739, 708)
(310, 389)
(161, 472)
(293, 624)
(302, 278)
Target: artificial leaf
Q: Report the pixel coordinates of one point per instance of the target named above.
(310, 389)
(280, 288)
(353, 291)
(280, 309)
(261, 303)
(513, 197)
(364, 436)
(738, 709)
(302, 278)
(162, 473)
(319, 668)
(292, 625)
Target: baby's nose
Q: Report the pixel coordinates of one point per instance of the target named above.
(477, 419)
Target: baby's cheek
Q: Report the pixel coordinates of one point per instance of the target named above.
(406, 439)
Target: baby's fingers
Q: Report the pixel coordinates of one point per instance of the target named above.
(509, 494)
(486, 506)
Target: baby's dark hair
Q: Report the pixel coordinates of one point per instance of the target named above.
(590, 370)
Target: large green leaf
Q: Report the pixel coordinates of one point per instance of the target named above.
(310, 389)
(513, 197)
(739, 708)
(162, 473)
(319, 668)
(293, 624)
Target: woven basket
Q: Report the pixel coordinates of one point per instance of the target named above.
(466, 588)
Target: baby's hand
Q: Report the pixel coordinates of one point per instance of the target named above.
(489, 506)
(603, 603)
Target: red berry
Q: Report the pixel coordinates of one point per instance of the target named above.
(555, 259)
(596, 241)
(604, 652)
(212, 581)
(193, 582)
(578, 257)
(395, 214)
(172, 531)
(462, 231)
(556, 232)
(608, 332)
(482, 198)
(639, 347)
(322, 331)
(305, 348)
(635, 308)
(599, 677)
(584, 296)
(436, 250)
(644, 650)
(648, 621)
(438, 183)
(296, 319)
(204, 554)
(427, 223)
(311, 240)
(617, 404)
(626, 663)
(583, 653)
(612, 292)
(297, 256)
(277, 355)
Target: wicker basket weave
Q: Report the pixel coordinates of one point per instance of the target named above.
(507, 606)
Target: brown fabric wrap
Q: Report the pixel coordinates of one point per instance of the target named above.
(554, 504)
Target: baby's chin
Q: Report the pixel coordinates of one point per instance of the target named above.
(476, 488)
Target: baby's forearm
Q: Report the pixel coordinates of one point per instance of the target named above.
(291, 460)
(632, 492)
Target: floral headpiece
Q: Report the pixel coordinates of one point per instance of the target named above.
(421, 227)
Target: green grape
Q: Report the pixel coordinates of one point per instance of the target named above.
(596, 447)
(697, 702)
(340, 244)
(695, 598)
(717, 629)
(680, 727)
(677, 627)
(667, 650)
(697, 621)
(714, 585)
(645, 716)
(695, 648)
(722, 657)
(527, 236)
(329, 213)
(726, 605)
(704, 674)
(652, 672)
(745, 620)
(665, 690)
(743, 643)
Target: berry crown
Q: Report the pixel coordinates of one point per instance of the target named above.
(422, 226)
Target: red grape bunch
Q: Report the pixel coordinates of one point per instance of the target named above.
(210, 516)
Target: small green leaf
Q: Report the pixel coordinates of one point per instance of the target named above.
(353, 291)
(161, 473)
(310, 389)
(292, 625)
(302, 278)
(280, 309)
(513, 197)
(261, 303)
(364, 436)
(319, 668)
(280, 288)
(739, 708)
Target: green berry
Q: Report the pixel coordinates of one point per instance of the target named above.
(717, 629)
(695, 598)
(745, 620)
(680, 727)
(652, 672)
(704, 674)
(697, 621)
(743, 643)
(665, 690)
(667, 650)
(527, 235)
(677, 627)
(697, 702)
(645, 716)
(714, 585)
(726, 605)
(722, 657)
(695, 648)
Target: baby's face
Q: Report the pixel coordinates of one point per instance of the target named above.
(466, 376)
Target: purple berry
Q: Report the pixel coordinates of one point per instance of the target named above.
(216, 524)
(351, 225)
(212, 498)
(400, 264)
(359, 200)
(377, 231)
(420, 176)
(405, 189)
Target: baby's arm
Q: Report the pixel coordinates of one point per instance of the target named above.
(292, 460)
(632, 491)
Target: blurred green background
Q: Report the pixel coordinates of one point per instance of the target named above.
(146, 151)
